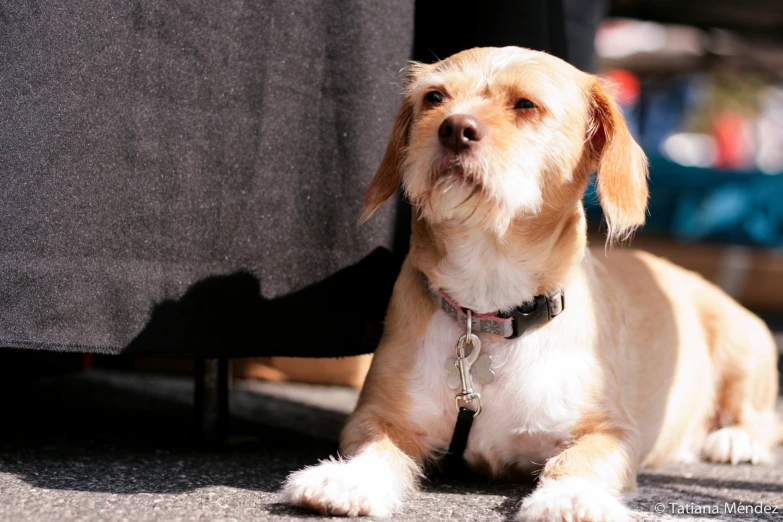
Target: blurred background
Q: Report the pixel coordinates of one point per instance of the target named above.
(701, 85)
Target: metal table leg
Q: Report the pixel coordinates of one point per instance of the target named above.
(211, 398)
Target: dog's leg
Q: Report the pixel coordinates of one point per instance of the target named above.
(381, 450)
(373, 482)
(379, 466)
(585, 482)
(745, 359)
(380, 463)
(735, 444)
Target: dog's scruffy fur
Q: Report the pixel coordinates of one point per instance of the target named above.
(648, 363)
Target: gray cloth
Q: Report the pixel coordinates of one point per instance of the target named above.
(146, 147)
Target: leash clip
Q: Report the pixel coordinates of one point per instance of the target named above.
(467, 398)
(464, 362)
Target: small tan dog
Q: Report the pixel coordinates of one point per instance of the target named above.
(646, 363)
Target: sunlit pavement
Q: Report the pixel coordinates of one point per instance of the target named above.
(113, 446)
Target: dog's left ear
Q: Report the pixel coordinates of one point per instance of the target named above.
(622, 166)
(389, 174)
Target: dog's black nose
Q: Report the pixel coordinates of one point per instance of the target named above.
(459, 131)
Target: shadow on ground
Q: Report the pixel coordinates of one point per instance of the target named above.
(86, 434)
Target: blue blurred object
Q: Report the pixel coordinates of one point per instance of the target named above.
(663, 106)
(691, 203)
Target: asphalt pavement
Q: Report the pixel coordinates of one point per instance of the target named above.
(114, 446)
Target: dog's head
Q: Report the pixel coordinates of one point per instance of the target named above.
(489, 135)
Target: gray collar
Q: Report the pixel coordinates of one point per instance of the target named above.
(539, 311)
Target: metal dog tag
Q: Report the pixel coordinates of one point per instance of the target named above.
(482, 369)
(479, 370)
(453, 379)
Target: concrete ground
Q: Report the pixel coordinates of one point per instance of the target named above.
(113, 446)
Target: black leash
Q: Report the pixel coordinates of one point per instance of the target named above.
(454, 462)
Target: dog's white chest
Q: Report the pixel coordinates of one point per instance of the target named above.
(528, 409)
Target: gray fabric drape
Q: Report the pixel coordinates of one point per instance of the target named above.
(146, 146)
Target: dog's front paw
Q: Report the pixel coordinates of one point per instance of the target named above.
(572, 500)
(733, 444)
(339, 487)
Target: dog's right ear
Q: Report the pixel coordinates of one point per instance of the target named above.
(622, 167)
(389, 175)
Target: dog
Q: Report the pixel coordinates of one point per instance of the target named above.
(616, 359)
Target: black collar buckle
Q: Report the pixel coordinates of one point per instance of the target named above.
(544, 309)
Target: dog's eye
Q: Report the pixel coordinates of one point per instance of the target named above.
(434, 97)
(524, 103)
